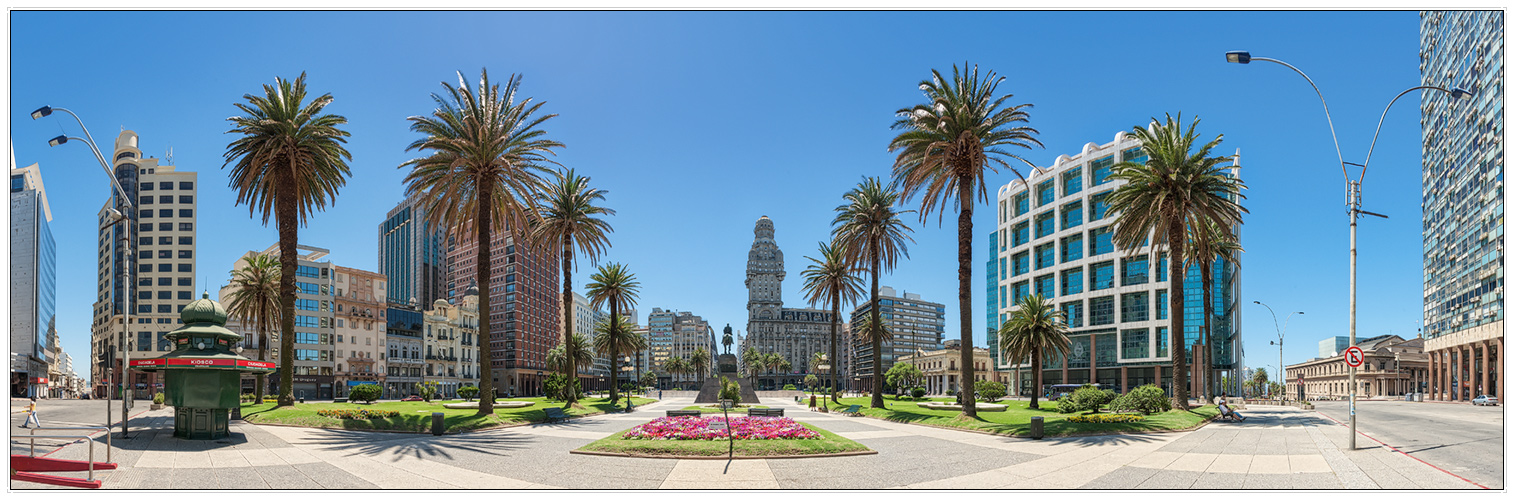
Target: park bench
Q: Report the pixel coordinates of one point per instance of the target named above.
(555, 413)
(339, 400)
(852, 410)
(683, 413)
(764, 412)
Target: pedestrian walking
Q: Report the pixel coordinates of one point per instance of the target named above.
(31, 414)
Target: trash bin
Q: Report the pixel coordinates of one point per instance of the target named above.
(436, 423)
(1037, 427)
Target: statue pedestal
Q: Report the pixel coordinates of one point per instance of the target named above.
(725, 366)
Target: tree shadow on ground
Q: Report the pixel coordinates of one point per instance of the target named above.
(419, 446)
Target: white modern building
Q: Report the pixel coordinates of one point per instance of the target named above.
(1054, 238)
(33, 257)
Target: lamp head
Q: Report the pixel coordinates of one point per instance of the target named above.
(42, 111)
(1459, 93)
(1258, 302)
(57, 140)
(1238, 56)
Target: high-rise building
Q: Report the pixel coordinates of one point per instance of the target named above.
(314, 325)
(361, 335)
(1333, 346)
(161, 230)
(525, 308)
(673, 334)
(1054, 238)
(795, 334)
(33, 277)
(412, 254)
(1463, 201)
(917, 325)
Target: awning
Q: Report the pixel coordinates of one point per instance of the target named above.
(213, 363)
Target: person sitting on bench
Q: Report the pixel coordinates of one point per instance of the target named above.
(1228, 413)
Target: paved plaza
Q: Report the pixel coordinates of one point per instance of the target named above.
(1276, 448)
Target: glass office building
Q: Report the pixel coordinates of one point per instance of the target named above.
(1054, 237)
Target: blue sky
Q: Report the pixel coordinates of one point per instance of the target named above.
(699, 123)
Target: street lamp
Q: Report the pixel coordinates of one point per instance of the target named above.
(119, 215)
(1279, 343)
(1353, 191)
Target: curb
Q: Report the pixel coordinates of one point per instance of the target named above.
(426, 432)
(1396, 450)
(705, 457)
(1197, 426)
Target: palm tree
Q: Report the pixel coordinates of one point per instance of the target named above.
(1209, 243)
(565, 222)
(1175, 189)
(832, 280)
(255, 300)
(1035, 329)
(614, 284)
(945, 146)
(868, 229)
(289, 162)
(876, 337)
(699, 363)
(752, 362)
(675, 366)
(484, 171)
(568, 357)
(617, 336)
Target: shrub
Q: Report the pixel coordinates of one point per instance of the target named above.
(990, 391)
(428, 390)
(1067, 405)
(950, 392)
(468, 392)
(918, 393)
(561, 387)
(790, 387)
(1089, 398)
(358, 414)
(367, 393)
(731, 390)
(1104, 418)
(1146, 399)
(157, 399)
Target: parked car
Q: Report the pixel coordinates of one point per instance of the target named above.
(1485, 400)
(412, 397)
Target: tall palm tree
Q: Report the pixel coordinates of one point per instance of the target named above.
(566, 222)
(752, 363)
(833, 281)
(255, 300)
(675, 366)
(1209, 244)
(868, 229)
(617, 336)
(945, 146)
(568, 357)
(1177, 188)
(289, 163)
(614, 284)
(483, 172)
(1035, 329)
(699, 363)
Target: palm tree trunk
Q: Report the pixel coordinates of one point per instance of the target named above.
(567, 315)
(261, 380)
(485, 273)
(877, 326)
(1035, 377)
(835, 326)
(1207, 275)
(964, 291)
(288, 217)
(1175, 235)
(614, 351)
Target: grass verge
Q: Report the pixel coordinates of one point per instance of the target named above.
(828, 443)
(415, 416)
(1015, 420)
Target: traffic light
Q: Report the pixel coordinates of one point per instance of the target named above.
(106, 359)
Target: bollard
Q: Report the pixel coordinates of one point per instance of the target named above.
(236, 413)
(436, 423)
(1037, 427)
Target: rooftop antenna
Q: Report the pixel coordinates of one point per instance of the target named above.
(168, 158)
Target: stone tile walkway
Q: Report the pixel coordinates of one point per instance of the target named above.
(1276, 448)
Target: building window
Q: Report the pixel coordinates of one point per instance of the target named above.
(1046, 223)
(1134, 271)
(165, 268)
(145, 214)
(1072, 181)
(1098, 205)
(145, 227)
(1021, 263)
(1135, 344)
(1101, 170)
(186, 281)
(186, 185)
(1046, 256)
(165, 226)
(165, 199)
(1102, 241)
(1161, 267)
(1022, 203)
(144, 308)
(1134, 307)
(1161, 342)
(186, 226)
(1046, 192)
(186, 212)
(165, 240)
(1102, 276)
(1018, 291)
(186, 268)
(146, 186)
(165, 212)
(146, 200)
(1073, 313)
(186, 199)
(165, 308)
(1134, 155)
(1072, 215)
(185, 295)
(1072, 281)
(1046, 286)
(1021, 233)
(186, 240)
(165, 294)
(1101, 311)
(1072, 248)
(163, 254)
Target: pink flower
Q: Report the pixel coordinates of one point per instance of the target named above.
(685, 428)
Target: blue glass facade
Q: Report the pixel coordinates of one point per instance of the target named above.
(411, 256)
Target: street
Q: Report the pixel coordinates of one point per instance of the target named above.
(1463, 439)
(64, 413)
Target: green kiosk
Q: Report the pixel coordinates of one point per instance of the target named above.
(202, 374)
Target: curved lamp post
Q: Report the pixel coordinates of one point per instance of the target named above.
(117, 216)
(1353, 189)
(1282, 372)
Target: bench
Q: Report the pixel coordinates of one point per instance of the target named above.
(339, 400)
(764, 412)
(852, 410)
(684, 413)
(555, 413)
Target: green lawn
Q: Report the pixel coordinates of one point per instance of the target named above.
(415, 416)
(707, 409)
(828, 443)
(1015, 420)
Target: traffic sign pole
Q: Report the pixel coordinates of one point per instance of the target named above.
(1354, 358)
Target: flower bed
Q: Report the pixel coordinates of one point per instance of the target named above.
(1105, 418)
(685, 428)
(358, 414)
